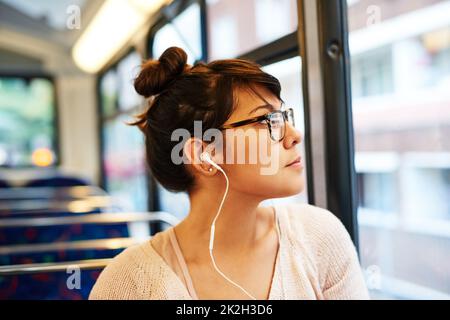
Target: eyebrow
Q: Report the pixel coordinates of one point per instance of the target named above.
(264, 106)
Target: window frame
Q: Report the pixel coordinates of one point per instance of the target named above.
(323, 37)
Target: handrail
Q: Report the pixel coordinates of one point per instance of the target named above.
(44, 204)
(98, 244)
(53, 267)
(70, 210)
(96, 218)
(82, 264)
(50, 192)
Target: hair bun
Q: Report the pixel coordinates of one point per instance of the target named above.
(156, 75)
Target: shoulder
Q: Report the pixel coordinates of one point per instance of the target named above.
(319, 233)
(132, 274)
(315, 223)
(322, 237)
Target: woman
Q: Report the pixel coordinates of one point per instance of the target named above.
(295, 251)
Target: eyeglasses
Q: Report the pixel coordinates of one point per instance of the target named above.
(276, 122)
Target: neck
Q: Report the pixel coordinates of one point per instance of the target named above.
(236, 227)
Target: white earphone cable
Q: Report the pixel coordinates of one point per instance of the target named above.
(211, 238)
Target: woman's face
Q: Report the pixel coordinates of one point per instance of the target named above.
(253, 161)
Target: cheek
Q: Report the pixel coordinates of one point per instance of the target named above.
(285, 182)
(292, 181)
(265, 176)
(248, 179)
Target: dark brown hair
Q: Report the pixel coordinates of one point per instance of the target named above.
(179, 95)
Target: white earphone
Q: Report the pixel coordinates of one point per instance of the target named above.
(207, 158)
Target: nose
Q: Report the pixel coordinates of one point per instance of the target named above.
(292, 136)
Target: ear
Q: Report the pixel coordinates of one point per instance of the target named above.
(192, 149)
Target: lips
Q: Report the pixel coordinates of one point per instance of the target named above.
(295, 161)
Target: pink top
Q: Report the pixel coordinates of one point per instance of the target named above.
(181, 264)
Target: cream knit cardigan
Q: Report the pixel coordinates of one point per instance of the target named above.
(317, 260)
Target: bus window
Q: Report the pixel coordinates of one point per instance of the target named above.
(123, 151)
(400, 61)
(108, 93)
(127, 69)
(27, 122)
(124, 164)
(184, 31)
(237, 27)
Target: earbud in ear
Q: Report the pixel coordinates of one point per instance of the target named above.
(207, 158)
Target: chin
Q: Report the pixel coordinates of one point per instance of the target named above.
(294, 190)
(293, 187)
(289, 188)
